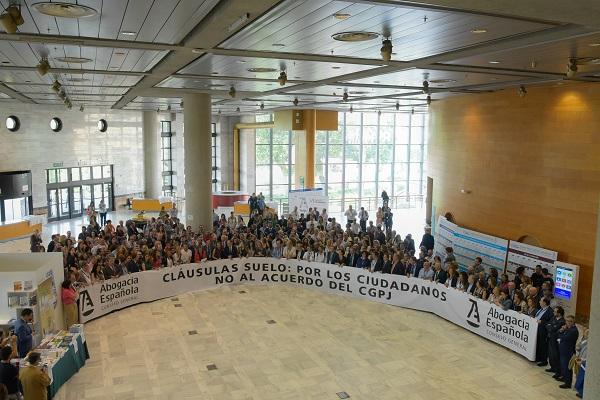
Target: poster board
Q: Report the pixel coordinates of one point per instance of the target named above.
(469, 244)
(444, 236)
(528, 256)
(307, 198)
(47, 300)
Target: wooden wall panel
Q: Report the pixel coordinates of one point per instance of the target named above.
(532, 165)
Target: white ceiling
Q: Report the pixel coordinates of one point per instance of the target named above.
(156, 65)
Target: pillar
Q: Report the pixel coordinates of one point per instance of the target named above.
(198, 159)
(310, 127)
(152, 160)
(592, 374)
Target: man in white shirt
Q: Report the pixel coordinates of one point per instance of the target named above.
(186, 254)
(426, 272)
(363, 216)
(355, 227)
(350, 215)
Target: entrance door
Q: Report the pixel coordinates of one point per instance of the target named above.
(64, 211)
(76, 203)
(86, 195)
(52, 204)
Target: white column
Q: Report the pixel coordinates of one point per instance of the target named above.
(198, 160)
(152, 168)
(592, 374)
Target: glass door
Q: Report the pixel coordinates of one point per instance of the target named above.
(52, 204)
(86, 191)
(65, 206)
(76, 205)
(97, 195)
(107, 195)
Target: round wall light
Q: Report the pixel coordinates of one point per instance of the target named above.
(102, 125)
(56, 124)
(12, 123)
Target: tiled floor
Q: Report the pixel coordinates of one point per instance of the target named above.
(319, 345)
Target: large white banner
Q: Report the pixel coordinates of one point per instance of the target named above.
(508, 328)
(307, 198)
(444, 236)
(525, 255)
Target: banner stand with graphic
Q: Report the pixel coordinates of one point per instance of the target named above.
(510, 329)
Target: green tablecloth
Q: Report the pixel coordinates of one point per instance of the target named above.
(67, 366)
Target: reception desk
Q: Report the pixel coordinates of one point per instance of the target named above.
(22, 228)
(228, 199)
(150, 205)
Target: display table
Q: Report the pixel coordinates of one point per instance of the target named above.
(151, 204)
(21, 228)
(64, 354)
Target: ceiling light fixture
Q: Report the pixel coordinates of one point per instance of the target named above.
(64, 10)
(295, 101)
(437, 81)
(494, 62)
(128, 33)
(81, 108)
(345, 96)
(74, 60)
(428, 100)
(232, 92)
(386, 49)
(56, 86)
(282, 79)
(43, 67)
(522, 91)
(412, 111)
(351, 109)
(397, 106)
(261, 70)
(341, 16)
(238, 22)
(262, 106)
(12, 18)
(237, 109)
(336, 67)
(278, 45)
(572, 67)
(478, 30)
(241, 61)
(425, 87)
(355, 36)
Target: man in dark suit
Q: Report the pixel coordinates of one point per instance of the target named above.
(567, 339)
(376, 262)
(353, 257)
(230, 250)
(387, 264)
(364, 261)
(439, 275)
(553, 327)
(427, 241)
(543, 316)
(398, 267)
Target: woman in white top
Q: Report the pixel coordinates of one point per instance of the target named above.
(320, 255)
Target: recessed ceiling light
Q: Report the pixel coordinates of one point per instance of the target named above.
(5, 62)
(78, 80)
(214, 73)
(594, 44)
(341, 16)
(261, 70)
(297, 77)
(357, 36)
(128, 33)
(375, 81)
(119, 53)
(336, 67)
(478, 30)
(64, 10)
(494, 62)
(74, 60)
(358, 92)
(241, 61)
(278, 45)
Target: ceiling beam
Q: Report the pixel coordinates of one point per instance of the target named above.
(88, 41)
(14, 94)
(74, 71)
(209, 32)
(502, 44)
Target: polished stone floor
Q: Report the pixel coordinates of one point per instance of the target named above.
(317, 345)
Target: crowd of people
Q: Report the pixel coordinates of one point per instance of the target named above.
(106, 251)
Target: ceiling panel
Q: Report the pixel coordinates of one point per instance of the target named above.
(296, 69)
(549, 57)
(307, 27)
(446, 79)
(338, 90)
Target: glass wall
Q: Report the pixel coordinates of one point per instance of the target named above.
(275, 159)
(369, 153)
(216, 158)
